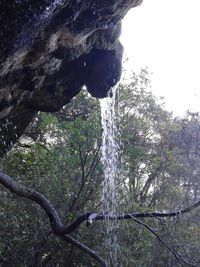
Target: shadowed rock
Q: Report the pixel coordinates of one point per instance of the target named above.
(49, 50)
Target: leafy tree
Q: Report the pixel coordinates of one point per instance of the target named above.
(59, 155)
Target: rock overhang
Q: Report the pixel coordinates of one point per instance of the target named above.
(50, 50)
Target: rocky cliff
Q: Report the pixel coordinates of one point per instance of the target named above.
(49, 50)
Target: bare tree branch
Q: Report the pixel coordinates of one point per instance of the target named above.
(84, 248)
(23, 191)
(174, 252)
(56, 224)
(84, 217)
(64, 230)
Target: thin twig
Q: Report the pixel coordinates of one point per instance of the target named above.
(174, 252)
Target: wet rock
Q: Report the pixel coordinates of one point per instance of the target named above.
(49, 50)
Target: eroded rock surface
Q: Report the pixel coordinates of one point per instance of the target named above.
(49, 50)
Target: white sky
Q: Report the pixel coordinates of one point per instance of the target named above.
(164, 35)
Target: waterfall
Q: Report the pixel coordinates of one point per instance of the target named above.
(110, 156)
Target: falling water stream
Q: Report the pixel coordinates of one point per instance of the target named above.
(112, 175)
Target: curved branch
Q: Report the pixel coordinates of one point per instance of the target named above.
(63, 230)
(23, 191)
(56, 224)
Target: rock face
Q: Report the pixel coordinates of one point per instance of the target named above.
(49, 50)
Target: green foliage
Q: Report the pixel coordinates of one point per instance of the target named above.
(59, 156)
